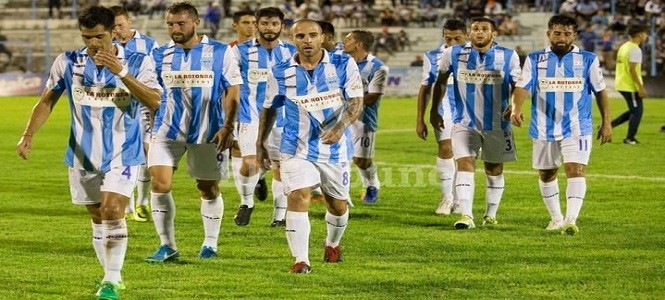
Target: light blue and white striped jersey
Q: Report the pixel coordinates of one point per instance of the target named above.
(561, 91)
(374, 75)
(482, 84)
(140, 43)
(105, 129)
(194, 82)
(430, 71)
(314, 102)
(255, 62)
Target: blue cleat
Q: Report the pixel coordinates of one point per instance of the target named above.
(164, 254)
(207, 252)
(371, 195)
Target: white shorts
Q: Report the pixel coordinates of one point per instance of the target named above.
(273, 142)
(497, 146)
(447, 131)
(146, 124)
(86, 187)
(298, 173)
(223, 161)
(248, 133)
(363, 140)
(202, 160)
(547, 154)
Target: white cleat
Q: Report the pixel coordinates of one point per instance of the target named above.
(554, 225)
(444, 207)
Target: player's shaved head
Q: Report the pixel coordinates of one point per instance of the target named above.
(301, 22)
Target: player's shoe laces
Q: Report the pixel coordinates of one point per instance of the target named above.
(243, 215)
(332, 254)
(465, 222)
(554, 225)
(300, 267)
(207, 252)
(164, 254)
(489, 221)
(261, 190)
(371, 195)
(107, 291)
(569, 228)
(444, 207)
(143, 212)
(278, 223)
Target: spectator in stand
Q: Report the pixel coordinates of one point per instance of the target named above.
(212, 17)
(460, 10)
(404, 15)
(607, 51)
(618, 23)
(493, 8)
(601, 17)
(156, 6)
(428, 14)
(403, 40)
(359, 14)
(417, 61)
(5, 54)
(586, 9)
(288, 8)
(386, 17)
(588, 39)
(569, 8)
(306, 7)
(384, 40)
(509, 27)
(57, 5)
(476, 9)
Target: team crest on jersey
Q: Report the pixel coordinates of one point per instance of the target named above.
(542, 57)
(332, 80)
(206, 60)
(78, 93)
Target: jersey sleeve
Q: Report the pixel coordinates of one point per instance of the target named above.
(379, 80)
(428, 75)
(55, 80)
(445, 62)
(596, 79)
(231, 68)
(635, 55)
(353, 87)
(514, 66)
(526, 77)
(147, 74)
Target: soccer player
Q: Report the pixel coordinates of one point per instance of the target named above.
(104, 85)
(629, 81)
(201, 78)
(374, 74)
(257, 56)
(322, 95)
(559, 80)
(483, 76)
(329, 42)
(244, 23)
(132, 40)
(454, 33)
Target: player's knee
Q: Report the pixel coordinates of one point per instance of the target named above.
(249, 166)
(337, 207)
(160, 185)
(493, 169)
(362, 163)
(209, 189)
(547, 175)
(112, 209)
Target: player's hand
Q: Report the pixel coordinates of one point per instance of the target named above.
(605, 133)
(223, 138)
(109, 60)
(515, 116)
(436, 120)
(23, 147)
(421, 129)
(333, 135)
(262, 157)
(643, 93)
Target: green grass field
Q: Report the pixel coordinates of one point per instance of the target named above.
(396, 249)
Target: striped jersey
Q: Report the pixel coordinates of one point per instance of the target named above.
(255, 62)
(313, 103)
(430, 71)
(194, 82)
(374, 74)
(561, 92)
(105, 130)
(482, 84)
(140, 43)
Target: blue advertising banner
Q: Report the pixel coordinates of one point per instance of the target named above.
(18, 83)
(403, 81)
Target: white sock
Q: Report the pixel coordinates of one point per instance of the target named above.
(98, 242)
(550, 193)
(364, 175)
(373, 176)
(246, 188)
(279, 200)
(130, 204)
(575, 192)
(236, 163)
(115, 246)
(211, 214)
(163, 215)
(465, 188)
(493, 193)
(143, 186)
(297, 234)
(446, 168)
(336, 226)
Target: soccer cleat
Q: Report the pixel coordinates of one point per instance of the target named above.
(163, 254)
(465, 222)
(554, 225)
(569, 228)
(631, 141)
(371, 195)
(278, 223)
(300, 267)
(243, 215)
(489, 221)
(332, 254)
(134, 217)
(444, 207)
(107, 291)
(143, 212)
(207, 252)
(261, 190)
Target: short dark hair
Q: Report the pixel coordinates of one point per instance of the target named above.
(327, 28)
(239, 14)
(270, 12)
(96, 15)
(484, 20)
(563, 20)
(187, 7)
(365, 37)
(635, 29)
(119, 11)
(454, 24)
